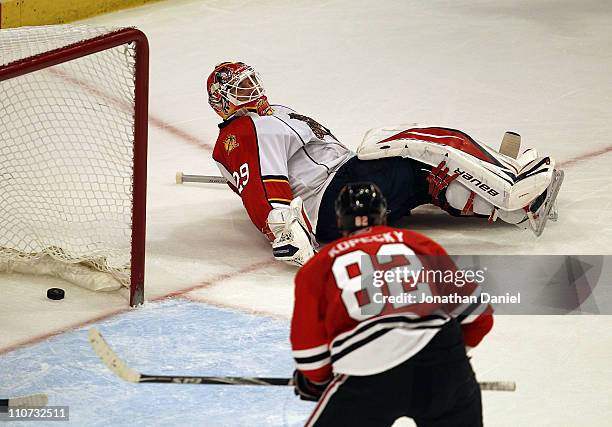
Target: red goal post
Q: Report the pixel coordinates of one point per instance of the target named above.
(82, 126)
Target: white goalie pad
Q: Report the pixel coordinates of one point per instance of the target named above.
(507, 183)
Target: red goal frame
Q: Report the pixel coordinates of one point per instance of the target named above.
(141, 95)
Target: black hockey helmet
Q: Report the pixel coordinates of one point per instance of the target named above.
(360, 205)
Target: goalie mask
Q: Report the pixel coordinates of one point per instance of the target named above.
(233, 86)
(360, 205)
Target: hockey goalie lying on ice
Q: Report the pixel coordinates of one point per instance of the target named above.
(288, 169)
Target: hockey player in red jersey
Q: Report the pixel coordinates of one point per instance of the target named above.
(366, 361)
(288, 169)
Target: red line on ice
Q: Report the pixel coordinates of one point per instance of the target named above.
(586, 156)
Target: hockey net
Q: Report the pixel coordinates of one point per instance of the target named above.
(73, 137)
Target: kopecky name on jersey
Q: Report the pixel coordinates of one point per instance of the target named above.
(476, 182)
(387, 237)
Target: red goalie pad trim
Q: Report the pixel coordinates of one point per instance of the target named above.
(450, 137)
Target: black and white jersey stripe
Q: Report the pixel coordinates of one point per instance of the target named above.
(369, 331)
(312, 358)
(468, 312)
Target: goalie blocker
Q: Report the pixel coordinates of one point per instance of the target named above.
(470, 178)
(294, 242)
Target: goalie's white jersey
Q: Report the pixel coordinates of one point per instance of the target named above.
(269, 160)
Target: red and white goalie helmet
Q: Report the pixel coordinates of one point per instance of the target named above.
(233, 86)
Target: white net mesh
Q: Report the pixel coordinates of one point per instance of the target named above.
(66, 152)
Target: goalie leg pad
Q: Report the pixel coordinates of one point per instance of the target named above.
(533, 216)
(459, 197)
(507, 183)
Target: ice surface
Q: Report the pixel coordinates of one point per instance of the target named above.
(172, 337)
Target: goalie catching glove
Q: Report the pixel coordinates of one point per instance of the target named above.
(294, 242)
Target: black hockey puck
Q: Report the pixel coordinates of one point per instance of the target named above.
(55, 293)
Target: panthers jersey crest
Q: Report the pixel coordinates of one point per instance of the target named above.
(230, 144)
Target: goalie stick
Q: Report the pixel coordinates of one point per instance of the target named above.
(31, 401)
(206, 179)
(123, 371)
(511, 144)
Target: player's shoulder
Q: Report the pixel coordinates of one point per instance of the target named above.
(300, 123)
(279, 109)
(281, 121)
(236, 125)
(233, 133)
(410, 235)
(411, 238)
(357, 240)
(271, 125)
(421, 243)
(378, 235)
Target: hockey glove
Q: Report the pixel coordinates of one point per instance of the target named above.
(306, 389)
(293, 241)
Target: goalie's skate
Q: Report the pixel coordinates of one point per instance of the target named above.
(554, 213)
(544, 207)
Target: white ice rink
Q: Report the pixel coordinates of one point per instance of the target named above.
(541, 68)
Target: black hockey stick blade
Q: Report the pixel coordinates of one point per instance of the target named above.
(118, 366)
